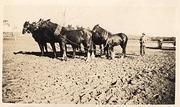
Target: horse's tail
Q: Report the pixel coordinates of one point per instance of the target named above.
(126, 39)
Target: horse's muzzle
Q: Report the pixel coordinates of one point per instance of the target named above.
(23, 31)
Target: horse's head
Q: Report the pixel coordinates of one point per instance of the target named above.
(28, 27)
(96, 28)
(63, 30)
(100, 32)
(25, 27)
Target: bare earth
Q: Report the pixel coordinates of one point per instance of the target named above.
(30, 78)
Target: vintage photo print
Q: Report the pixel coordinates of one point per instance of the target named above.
(89, 52)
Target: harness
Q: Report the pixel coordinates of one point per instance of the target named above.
(58, 32)
(106, 34)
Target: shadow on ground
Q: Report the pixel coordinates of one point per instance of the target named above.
(49, 54)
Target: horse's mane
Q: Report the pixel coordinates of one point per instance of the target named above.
(105, 31)
(52, 26)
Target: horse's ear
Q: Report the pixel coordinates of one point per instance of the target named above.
(40, 19)
(63, 28)
(33, 23)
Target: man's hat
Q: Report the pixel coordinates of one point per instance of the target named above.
(143, 33)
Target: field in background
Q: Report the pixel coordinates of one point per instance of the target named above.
(168, 42)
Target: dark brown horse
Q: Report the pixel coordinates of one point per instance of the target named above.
(110, 40)
(42, 36)
(36, 34)
(73, 37)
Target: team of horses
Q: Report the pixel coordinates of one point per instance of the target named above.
(45, 31)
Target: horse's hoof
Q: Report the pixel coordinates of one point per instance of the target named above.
(42, 54)
(52, 57)
(88, 59)
(92, 56)
(64, 58)
(73, 57)
(122, 57)
(110, 58)
(107, 57)
(100, 56)
(113, 57)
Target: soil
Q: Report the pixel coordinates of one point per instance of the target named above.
(31, 78)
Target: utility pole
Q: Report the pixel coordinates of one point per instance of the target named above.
(64, 17)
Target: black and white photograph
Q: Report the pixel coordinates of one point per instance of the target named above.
(89, 52)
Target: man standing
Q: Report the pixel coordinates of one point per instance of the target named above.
(142, 44)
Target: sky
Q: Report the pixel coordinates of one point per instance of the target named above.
(154, 17)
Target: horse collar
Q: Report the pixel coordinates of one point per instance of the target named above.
(58, 30)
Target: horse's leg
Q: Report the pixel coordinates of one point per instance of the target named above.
(124, 49)
(100, 46)
(88, 56)
(64, 50)
(41, 48)
(54, 49)
(74, 52)
(92, 51)
(107, 51)
(88, 53)
(60, 49)
(125, 46)
(87, 50)
(45, 46)
(80, 50)
(103, 51)
(124, 52)
(112, 53)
